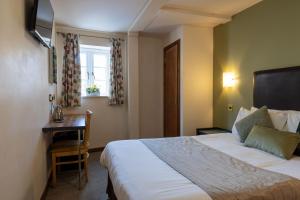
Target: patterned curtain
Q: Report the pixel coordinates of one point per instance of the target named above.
(71, 80)
(53, 66)
(116, 96)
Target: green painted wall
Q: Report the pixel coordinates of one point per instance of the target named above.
(264, 36)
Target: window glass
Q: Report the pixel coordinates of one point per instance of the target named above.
(100, 60)
(84, 75)
(100, 73)
(83, 59)
(83, 88)
(103, 86)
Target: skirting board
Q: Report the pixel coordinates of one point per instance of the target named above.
(44, 194)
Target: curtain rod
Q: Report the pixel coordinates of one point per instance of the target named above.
(93, 36)
(99, 37)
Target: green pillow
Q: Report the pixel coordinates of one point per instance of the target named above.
(279, 143)
(297, 152)
(260, 117)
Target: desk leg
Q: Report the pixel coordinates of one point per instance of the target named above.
(79, 161)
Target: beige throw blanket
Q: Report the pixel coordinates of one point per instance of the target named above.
(220, 175)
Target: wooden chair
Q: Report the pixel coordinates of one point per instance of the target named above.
(70, 148)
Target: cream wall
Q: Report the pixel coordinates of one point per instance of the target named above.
(133, 85)
(174, 35)
(109, 123)
(23, 106)
(196, 76)
(151, 86)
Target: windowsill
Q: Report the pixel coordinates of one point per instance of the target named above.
(88, 97)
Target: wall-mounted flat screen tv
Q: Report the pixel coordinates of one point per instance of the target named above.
(42, 21)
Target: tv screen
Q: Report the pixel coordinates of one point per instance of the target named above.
(42, 21)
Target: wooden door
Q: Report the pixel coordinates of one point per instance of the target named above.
(172, 90)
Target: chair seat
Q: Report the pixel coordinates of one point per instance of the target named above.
(68, 146)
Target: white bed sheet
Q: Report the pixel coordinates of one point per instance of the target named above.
(138, 174)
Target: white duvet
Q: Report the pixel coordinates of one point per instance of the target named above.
(138, 174)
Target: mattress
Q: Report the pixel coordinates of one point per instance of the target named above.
(137, 173)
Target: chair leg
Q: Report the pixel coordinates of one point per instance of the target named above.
(53, 170)
(58, 167)
(86, 166)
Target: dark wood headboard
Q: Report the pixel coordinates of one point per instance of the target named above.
(277, 88)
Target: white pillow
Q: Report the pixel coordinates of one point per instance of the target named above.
(278, 117)
(293, 120)
(243, 112)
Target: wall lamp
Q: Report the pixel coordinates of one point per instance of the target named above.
(229, 79)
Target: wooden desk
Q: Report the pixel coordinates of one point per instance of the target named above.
(70, 123)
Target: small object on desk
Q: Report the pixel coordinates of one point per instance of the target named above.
(213, 130)
(58, 115)
(58, 121)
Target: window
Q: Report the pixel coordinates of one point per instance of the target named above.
(95, 62)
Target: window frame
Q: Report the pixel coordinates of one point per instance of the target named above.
(90, 51)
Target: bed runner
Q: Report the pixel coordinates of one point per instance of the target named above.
(220, 175)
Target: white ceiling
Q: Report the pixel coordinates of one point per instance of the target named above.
(224, 7)
(99, 15)
(208, 13)
(157, 16)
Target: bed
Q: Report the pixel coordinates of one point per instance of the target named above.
(208, 167)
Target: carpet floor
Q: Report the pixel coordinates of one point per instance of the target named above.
(67, 184)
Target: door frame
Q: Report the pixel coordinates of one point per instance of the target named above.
(177, 42)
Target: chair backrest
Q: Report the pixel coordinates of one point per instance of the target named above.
(88, 116)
